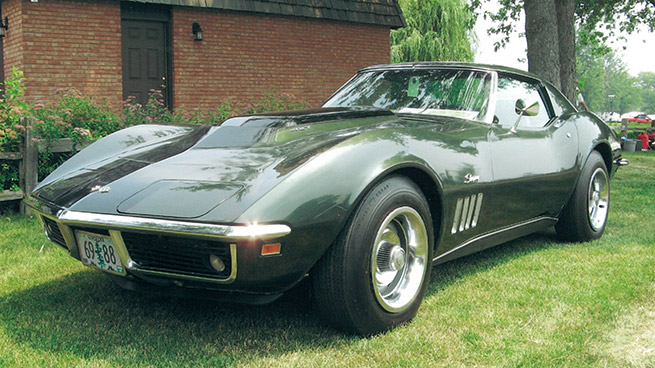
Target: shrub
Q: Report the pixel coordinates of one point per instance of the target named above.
(632, 134)
(74, 116)
(49, 161)
(272, 102)
(12, 109)
(154, 112)
(9, 175)
(223, 112)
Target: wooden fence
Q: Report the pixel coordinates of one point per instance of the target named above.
(623, 132)
(28, 157)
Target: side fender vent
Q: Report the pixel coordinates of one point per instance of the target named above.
(467, 213)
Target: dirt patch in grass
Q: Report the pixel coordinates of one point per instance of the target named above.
(632, 342)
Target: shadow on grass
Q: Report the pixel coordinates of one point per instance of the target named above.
(445, 274)
(86, 315)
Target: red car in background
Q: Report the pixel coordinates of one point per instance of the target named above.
(641, 118)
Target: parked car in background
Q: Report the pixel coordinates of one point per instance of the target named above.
(640, 118)
(406, 166)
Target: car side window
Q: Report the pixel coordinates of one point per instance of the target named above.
(510, 90)
(561, 104)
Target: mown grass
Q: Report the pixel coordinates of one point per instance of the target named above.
(534, 302)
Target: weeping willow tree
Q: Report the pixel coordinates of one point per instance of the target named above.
(437, 30)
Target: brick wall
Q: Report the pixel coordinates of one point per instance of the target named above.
(77, 43)
(12, 45)
(245, 55)
(65, 43)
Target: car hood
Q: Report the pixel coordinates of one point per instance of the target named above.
(186, 172)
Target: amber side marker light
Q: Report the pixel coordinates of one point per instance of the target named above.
(271, 249)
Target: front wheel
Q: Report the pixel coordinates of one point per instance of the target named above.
(375, 274)
(585, 216)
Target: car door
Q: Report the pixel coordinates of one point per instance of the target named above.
(534, 158)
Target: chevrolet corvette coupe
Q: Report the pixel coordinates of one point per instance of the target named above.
(405, 167)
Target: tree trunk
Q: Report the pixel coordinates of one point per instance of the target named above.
(543, 39)
(566, 31)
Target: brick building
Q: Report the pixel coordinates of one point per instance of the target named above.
(111, 48)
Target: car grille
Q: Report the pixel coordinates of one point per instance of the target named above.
(178, 255)
(53, 233)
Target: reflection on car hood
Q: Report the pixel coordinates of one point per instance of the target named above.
(275, 129)
(192, 168)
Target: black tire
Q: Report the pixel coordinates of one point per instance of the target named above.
(585, 216)
(375, 274)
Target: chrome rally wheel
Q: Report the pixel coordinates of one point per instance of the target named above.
(399, 259)
(375, 274)
(598, 199)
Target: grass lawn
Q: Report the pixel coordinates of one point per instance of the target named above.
(534, 302)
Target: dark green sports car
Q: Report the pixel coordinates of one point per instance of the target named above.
(405, 167)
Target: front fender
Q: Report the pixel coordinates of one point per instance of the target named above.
(318, 198)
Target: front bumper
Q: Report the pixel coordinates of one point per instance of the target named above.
(162, 252)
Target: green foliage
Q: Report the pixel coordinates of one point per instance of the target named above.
(633, 134)
(597, 19)
(9, 175)
(506, 17)
(14, 91)
(604, 18)
(646, 81)
(12, 109)
(601, 76)
(154, 112)
(49, 161)
(437, 30)
(74, 116)
(223, 112)
(274, 102)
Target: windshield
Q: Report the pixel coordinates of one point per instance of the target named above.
(445, 92)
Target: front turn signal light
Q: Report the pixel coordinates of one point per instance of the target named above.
(271, 249)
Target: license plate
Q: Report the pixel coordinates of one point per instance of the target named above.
(99, 251)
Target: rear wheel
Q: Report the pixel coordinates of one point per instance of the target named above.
(375, 274)
(585, 216)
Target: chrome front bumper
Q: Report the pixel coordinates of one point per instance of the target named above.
(66, 220)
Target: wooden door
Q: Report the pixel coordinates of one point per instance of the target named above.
(145, 66)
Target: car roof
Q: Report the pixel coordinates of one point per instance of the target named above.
(450, 65)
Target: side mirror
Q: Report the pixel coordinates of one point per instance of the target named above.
(532, 110)
(519, 106)
(521, 110)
